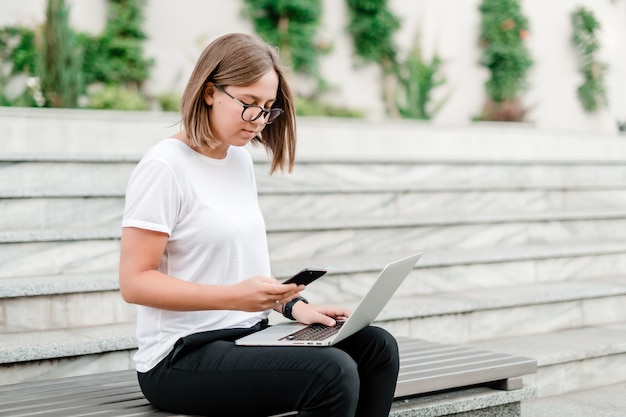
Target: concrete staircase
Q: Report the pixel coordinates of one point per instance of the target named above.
(523, 232)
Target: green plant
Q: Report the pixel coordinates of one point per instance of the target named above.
(169, 102)
(17, 47)
(116, 57)
(372, 26)
(114, 97)
(417, 78)
(18, 57)
(591, 92)
(61, 58)
(503, 30)
(315, 107)
(291, 25)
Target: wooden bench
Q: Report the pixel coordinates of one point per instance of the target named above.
(446, 379)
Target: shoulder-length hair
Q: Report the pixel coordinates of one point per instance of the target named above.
(239, 60)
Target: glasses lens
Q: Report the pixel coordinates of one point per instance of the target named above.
(251, 113)
(274, 113)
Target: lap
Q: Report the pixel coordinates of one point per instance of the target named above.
(219, 372)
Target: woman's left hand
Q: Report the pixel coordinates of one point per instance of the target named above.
(311, 313)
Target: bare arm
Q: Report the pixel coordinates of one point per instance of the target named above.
(141, 282)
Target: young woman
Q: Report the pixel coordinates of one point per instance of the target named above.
(194, 258)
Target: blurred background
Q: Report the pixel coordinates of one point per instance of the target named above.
(448, 61)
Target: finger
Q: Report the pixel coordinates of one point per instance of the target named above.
(285, 291)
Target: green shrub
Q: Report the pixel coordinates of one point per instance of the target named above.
(113, 97)
(61, 58)
(169, 102)
(291, 25)
(417, 78)
(315, 107)
(591, 92)
(503, 30)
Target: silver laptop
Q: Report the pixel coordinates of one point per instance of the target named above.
(295, 334)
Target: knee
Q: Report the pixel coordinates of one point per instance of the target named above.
(383, 345)
(337, 384)
(341, 371)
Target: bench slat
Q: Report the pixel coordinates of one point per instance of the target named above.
(428, 366)
(424, 367)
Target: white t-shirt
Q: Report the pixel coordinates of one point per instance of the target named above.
(209, 208)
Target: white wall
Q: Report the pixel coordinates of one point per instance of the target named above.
(179, 30)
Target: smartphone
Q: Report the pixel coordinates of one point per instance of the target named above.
(305, 277)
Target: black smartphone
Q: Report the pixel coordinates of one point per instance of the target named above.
(305, 277)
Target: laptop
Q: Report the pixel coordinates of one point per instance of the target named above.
(370, 306)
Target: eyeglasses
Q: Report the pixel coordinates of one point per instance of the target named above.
(252, 112)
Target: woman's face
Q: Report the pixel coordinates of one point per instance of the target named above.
(227, 125)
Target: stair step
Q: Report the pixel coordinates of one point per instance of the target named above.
(89, 211)
(61, 255)
(570, 360)
(470, 316)
(416, 173)
(60, 213)
(389, 202)
(39, 266)
(348, 237)
(108, 176)
(601, 401)
(67, 249)
(54, 353)
(68, 179)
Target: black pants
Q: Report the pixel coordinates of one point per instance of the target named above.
(207, 374)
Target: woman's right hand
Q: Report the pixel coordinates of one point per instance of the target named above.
(259, 293)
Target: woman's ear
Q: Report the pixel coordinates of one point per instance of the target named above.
(209, 90)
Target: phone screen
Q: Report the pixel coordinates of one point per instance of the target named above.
(306, 276)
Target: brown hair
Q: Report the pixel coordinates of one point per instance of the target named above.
(239, 60)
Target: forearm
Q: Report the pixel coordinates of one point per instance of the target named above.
(154, 289)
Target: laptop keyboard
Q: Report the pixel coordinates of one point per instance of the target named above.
(314, 331)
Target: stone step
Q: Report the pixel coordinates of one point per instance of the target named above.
(462, 317)
(27, 356)
(48, 302)
(75, 131)
(418, 202)
(570, 360)
(58, 213)
(367, 236)
(59, 267)
(417, 173)
(601, 401)
(567, 360)
(108, 175)
(79, 212)
(35, 252)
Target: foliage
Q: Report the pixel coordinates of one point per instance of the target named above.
(291, 25)
(18, 57)
(315, 107)
(591, 92)
(116, 57)
(372, 26)
(503, 30)
(67, 62)
(115, 97)
(60, 59)
(17, 46)
(417, 79)
(169, 102)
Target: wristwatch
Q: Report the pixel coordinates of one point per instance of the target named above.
(287, 312)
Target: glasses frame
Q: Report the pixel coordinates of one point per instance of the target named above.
(262, 111)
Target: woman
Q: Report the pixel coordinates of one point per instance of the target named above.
(194, 258)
